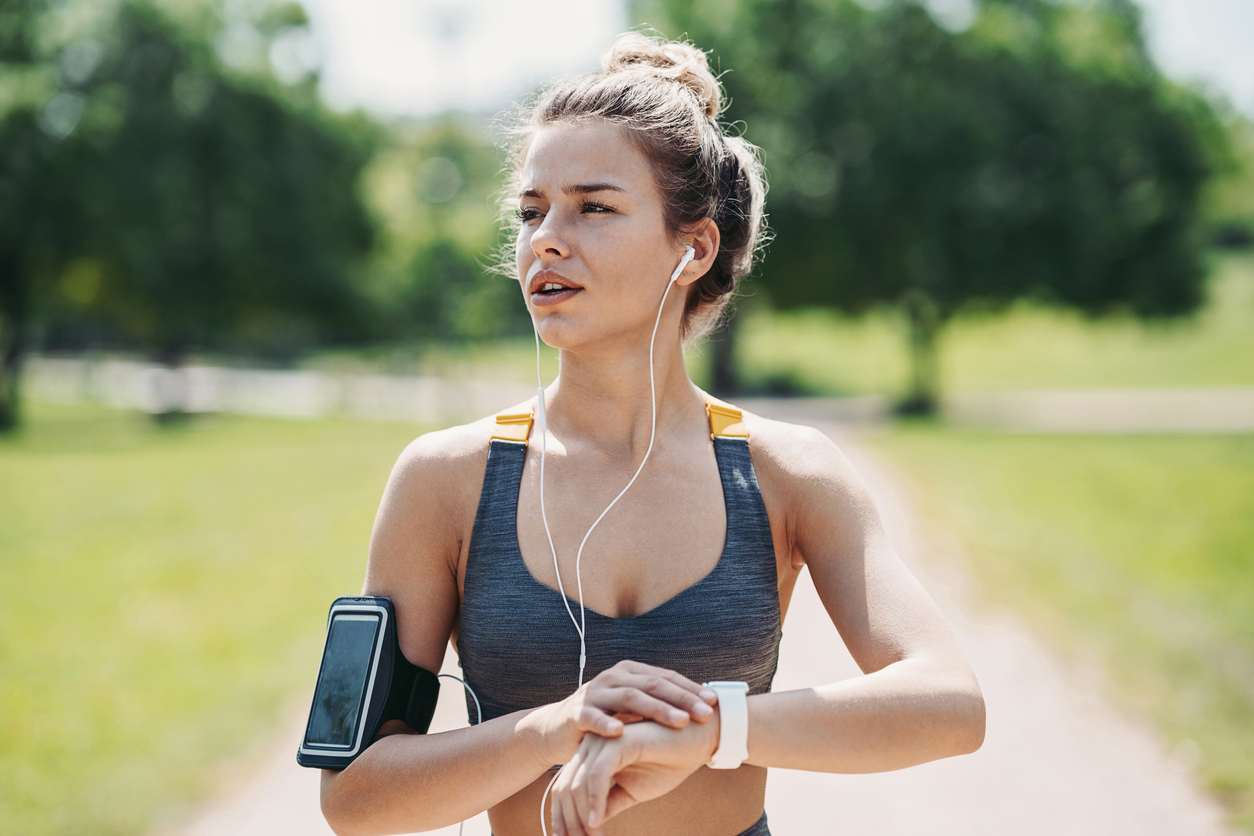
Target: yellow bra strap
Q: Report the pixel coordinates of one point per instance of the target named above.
(513, 426)
(725, 420)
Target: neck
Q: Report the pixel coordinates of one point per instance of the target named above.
(602, 398)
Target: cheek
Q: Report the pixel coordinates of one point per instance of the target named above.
(523, 256)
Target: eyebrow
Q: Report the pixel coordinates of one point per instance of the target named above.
(581, 188)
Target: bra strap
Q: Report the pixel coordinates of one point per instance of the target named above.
(726, 421)
(513, 426)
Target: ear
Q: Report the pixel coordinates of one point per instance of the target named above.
(704, 238)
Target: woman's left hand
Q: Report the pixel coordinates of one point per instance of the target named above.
(610, 774)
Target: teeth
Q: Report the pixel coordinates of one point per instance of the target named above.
(552, 286)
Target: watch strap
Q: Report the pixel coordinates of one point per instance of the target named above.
(733, 726)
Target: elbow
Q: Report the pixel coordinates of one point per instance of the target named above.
(336, 806)
(969, 721)
(330, 803)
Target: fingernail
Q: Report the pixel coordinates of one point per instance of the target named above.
(702, 710)
(614, 725)
(677, 716)
(708, 695)
(593, 818)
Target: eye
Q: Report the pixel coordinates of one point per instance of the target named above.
(591, 208)
(527, 214)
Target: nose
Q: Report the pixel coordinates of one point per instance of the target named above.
(550, 240)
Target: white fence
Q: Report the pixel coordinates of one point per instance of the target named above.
(285, 394)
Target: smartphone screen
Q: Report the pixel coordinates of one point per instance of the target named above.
(339, 697)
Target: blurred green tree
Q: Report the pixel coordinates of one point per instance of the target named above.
(174, 201)
(433, 187)
(35, 218)
(1230, 201)
(232, 214)
(1037, 152)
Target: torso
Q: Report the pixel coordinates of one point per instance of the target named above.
(664, 536)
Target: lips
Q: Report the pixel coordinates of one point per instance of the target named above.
(548, 288)
(547, 281)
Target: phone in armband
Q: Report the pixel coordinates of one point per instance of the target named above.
(363, 681)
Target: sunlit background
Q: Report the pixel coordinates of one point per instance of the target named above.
(246, 254)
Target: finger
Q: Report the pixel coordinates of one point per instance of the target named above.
(579, 783)
(598, 777)
(557, 824)
(653, 699)
(671, 687)
(675, 678)
(563, 789)
(555, 804)
(570, 815)
(595, 719)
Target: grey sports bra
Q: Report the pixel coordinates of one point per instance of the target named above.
(517, 646)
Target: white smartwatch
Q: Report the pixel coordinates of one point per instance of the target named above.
(733, 724)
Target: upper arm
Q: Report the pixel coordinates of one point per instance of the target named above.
(424, 518)
(880, 609)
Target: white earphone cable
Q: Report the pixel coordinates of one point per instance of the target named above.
(581, 624)
(478, 714)
(648, 450)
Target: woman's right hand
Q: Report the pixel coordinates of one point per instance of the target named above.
(626, 693)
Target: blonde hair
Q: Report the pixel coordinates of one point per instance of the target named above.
(668, 102)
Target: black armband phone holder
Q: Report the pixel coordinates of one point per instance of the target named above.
(364, 681)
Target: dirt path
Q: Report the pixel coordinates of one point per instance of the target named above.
(1057, 759)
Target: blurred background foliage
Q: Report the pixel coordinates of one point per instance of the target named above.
(172, 185)
(1020, 201)
(433, 191)
(1036, 154)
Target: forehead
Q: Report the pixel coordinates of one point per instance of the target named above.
(563, 155)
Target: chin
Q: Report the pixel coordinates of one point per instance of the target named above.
(568, 336)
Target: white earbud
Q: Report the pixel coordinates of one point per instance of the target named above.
(689, 255)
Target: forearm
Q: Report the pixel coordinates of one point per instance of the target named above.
(908, 713)
(407, 783)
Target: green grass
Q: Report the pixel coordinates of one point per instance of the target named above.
(1028, 346)
(1138, 549)
(164, 594)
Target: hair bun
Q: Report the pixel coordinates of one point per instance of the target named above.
(676, 60)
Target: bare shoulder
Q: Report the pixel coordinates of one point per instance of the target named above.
(429, 504)
(446, 463)
(443, 458)
(809, 484)
(801, 457)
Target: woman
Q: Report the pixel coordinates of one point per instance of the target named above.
(623, 180)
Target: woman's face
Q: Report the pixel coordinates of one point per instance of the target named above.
(594, 255)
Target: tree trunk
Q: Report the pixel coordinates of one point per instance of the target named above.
(925, 323)
(170, 387)
(724, 379)
(10, 374)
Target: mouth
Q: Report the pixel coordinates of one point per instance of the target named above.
(548, 286)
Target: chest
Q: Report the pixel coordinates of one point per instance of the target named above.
(664, 535)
